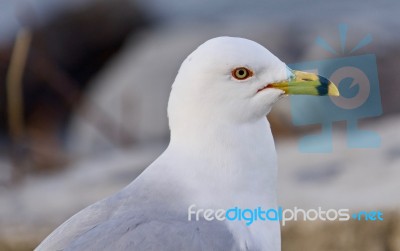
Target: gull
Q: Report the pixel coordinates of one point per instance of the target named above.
(221, 155)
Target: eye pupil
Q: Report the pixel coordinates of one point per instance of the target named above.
(241, 72)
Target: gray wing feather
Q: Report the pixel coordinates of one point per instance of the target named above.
(135, 234)
(126, 222)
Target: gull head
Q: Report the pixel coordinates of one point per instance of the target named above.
(235, 80)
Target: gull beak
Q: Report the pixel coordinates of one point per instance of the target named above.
(305, 83)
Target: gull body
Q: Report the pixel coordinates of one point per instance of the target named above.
(221, 155)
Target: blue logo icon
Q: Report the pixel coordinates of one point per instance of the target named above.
(357, 80)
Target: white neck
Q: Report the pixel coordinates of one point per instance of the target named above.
(238, 157)
(238, 161)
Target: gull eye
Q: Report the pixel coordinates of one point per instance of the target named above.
(242, 73)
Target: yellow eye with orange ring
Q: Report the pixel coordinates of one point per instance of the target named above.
(241, 73)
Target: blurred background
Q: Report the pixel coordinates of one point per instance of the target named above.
(84, 90)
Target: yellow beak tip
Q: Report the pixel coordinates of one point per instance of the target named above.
(333, 90)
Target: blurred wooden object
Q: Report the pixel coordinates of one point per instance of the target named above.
(15, 106)
(14, 83)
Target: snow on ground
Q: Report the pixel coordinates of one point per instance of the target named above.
(37, 206)
(360, 179)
